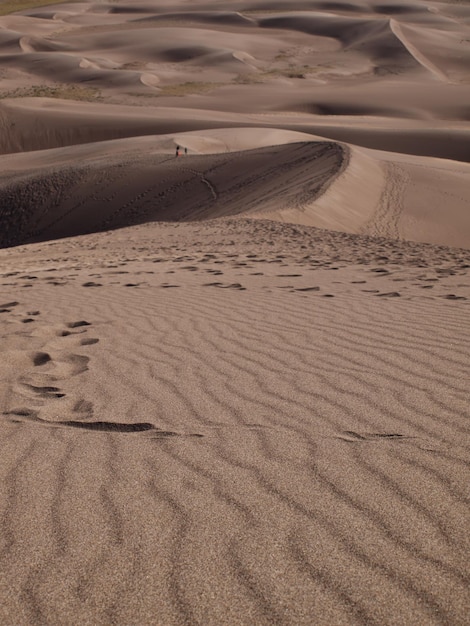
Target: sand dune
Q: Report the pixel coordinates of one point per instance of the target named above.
(374, 38)
(312, 183)
(229, 18)
(357, 72)
(38, 123)
(234, 382)
(76, 69)
(97, 197)
(194, 433)
(438, 50)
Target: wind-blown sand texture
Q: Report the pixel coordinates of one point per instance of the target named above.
(234, 383)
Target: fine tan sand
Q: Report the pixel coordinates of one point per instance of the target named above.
(234, 382)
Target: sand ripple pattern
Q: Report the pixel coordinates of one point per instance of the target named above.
(327, 483)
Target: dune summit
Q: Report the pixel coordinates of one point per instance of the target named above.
(234, 313)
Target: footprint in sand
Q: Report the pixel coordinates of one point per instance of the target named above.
(63, 366)
(307, 289)
(47, 391)
(7, 307)
(78, 324)
(222, 286)
(38, 388)
(88, 341)
(40, 358)
(81, 325)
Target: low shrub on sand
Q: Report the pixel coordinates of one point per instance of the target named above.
(183, 89)
(265, 75)
(64, 92)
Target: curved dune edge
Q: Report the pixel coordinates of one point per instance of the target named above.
(37, 123)
(348, 202)
(362, 191)
(397, 30)
(380, 194)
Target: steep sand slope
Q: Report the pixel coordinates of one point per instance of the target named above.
(82, 189)
(95, 196)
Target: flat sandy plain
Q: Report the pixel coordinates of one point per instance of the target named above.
(234, 385)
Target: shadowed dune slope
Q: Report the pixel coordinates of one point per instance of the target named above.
(371, 37)
(61, 202)
(256, 173)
